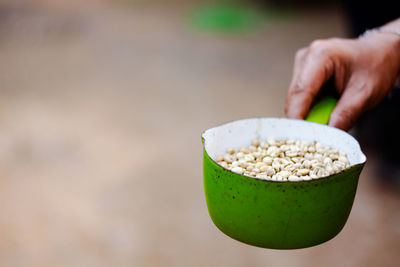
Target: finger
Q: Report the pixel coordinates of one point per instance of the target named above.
(351, 105)
(297, 67)
(299, 61)
(316, 69)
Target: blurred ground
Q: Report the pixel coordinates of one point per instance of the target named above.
(101, 109)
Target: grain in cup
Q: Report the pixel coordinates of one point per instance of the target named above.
(284, 160)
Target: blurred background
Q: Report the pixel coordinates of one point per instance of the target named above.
(102, 104)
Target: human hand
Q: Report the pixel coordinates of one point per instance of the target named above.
(364, 70)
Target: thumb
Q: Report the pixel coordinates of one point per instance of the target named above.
(351, 105)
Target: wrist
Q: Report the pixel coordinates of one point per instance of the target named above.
(385, 33)
(385, 37)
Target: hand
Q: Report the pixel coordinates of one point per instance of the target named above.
(364, 70)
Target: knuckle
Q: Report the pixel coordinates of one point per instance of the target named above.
(300, 53)
(319, 46)
(317, 43)
(347, 115)
(335, 40)
(298, 90)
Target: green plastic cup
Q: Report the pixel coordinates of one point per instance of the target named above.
(275, 214)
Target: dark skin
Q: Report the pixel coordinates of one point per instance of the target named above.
(364, 71)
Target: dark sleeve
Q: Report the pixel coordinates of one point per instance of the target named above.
(363, 15)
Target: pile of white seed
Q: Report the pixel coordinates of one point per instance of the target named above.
(284, 160)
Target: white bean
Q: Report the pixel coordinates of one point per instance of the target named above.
(271, 141)
(255, 142)
(268, 160)
(235, 164)
(263, 168)
(238, 170)
(302, 172)
(294, 178)
(264, 145)
(270, 171)
(284, 174)
(249, 168)
(327, 161)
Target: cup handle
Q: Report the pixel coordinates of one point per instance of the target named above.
(321, 111)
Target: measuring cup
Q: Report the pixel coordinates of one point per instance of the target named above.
(277, 214)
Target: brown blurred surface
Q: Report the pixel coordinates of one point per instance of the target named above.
(101, 109)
